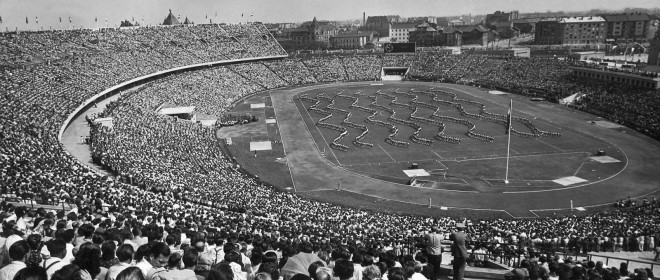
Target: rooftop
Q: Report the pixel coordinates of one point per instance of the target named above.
(526, 20)
(627, 17)
(353, 34)
(465, 28)
(171, 19)
(581, 19)
(403, 25)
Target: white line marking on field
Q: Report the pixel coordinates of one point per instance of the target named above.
(578, 170)
(549, 144)
(388, 154)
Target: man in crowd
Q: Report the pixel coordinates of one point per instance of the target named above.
(343, 269)
(159, 255)
(459, 251)
(57, 250)
(18, 253)
(434, 250)
(125, 256)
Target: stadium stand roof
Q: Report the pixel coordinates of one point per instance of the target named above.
(177, 110)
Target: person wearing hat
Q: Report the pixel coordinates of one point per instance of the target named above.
(459, 251)
(434, 250)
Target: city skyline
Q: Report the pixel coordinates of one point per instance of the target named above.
(36, 14)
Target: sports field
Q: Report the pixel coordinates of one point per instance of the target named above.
(536, 162)
(546, 173)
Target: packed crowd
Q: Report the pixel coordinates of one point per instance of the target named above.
(94, 241)
(174, 178)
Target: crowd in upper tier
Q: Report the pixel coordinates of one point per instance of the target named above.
(174, 178)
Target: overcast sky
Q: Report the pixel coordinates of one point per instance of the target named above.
(48, 12)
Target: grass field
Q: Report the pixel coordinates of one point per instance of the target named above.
(534, 162)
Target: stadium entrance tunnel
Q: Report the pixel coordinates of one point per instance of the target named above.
(393, 73)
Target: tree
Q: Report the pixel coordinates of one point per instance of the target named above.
(127, 23)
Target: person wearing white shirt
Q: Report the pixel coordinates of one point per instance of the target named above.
(12, 239)
(125, 255)
(142, 259)
(68, 237)
(57, 250)
(17, 254)
(137, 237)
(413, 271)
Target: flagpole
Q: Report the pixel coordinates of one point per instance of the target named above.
(508, 145)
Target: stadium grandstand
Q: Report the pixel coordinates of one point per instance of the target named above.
(172, 204)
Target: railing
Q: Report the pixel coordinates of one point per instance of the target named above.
(37, 203)
(607, 259)
(510, 261)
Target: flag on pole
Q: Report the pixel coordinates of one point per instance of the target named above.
(508, 118)
(508, 144)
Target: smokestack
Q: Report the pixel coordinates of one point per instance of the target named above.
(364, 18)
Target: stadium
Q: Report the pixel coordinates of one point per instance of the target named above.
(343, 153)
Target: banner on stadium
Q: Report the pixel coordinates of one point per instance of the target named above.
(399, 47)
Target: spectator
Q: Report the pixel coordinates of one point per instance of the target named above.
(57, 250)
(88, 261)
(125, 257)
(221, 271)
(174, 270)
(131, 273)
(31, 273)
(18, 253)
(343, 269)
(159, 258)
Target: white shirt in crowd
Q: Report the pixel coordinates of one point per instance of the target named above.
(53, 264)
(8, 272)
